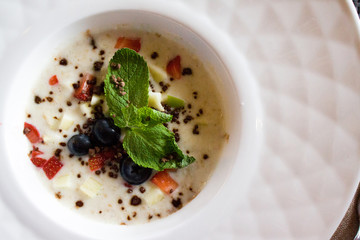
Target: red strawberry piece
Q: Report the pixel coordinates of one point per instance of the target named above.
(39, 162)
(35, 152)
(52, 167)
(109, 153)
(173, 68)
(96, 162)
(53, 80)
(132, 43)
(31, 133)
(85, 89)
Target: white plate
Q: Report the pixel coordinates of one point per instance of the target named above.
(306, 59)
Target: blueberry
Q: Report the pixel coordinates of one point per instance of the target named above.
(133, 173)
(79, 144)
(105, 133)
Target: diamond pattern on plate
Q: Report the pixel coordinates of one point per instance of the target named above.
(305, 57)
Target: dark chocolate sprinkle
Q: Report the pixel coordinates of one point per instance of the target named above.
(63, 62)
(79, 203)
(135, 201)
(154, 55)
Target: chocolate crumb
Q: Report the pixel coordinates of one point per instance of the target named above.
(129, 190)
(63, 62)
(57, 152)
(120, 201)
(37, 100)
(135, 201)
(100, 212)
(154, 55)
(29, 115)
(102, 52)
(58, 195)
(98, 65)
(79, 204)
(79, 175)
(142, 189)
(97, 172)
(63, 144)
(186, 71)
(196, 130)
(68, 103)
(60, 110)
(51, 92)
(128, 218)
(150, 217)
(177, 203)
(205, 156)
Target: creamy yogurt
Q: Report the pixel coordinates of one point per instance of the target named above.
(58, 115)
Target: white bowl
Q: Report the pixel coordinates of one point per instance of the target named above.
(19, 183)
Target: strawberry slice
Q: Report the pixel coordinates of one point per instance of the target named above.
(85, 90)
(52, 167)
(173, 68)
(35, 152)
(98, 160)
(132, 43)
(39, 162)
(31, 133)
(53, 80)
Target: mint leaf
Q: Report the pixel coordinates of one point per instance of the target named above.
(149, 143)
(131, 68)
(155, 147)
(138, 117)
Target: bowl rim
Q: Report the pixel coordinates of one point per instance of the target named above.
(253, 132)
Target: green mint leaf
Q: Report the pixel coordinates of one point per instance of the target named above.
(149, 143)
(138, 117)
(130, 68)
(155, 147)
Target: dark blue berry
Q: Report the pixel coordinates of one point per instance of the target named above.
(133, 173)
(79, 144)
(105, 133)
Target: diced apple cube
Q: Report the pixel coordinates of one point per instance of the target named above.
(86, 109)
(66, 122)
(153, 195)
(157, 73)
(53, 123)
(95, 100)
(53, 138)
(155, 101)
(105, 107)
(91, 187)
(62, 181)
(175, 102)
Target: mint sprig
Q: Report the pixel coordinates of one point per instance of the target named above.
(147, 141)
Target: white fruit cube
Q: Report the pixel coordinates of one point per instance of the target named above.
(53, 123)
(95, 100)
(62, 181)
(86, 109)
(91, 187)
(153, 195)
(53, 138)
(155, 101)
(157, 73)
(66, 122)
(105, 107)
